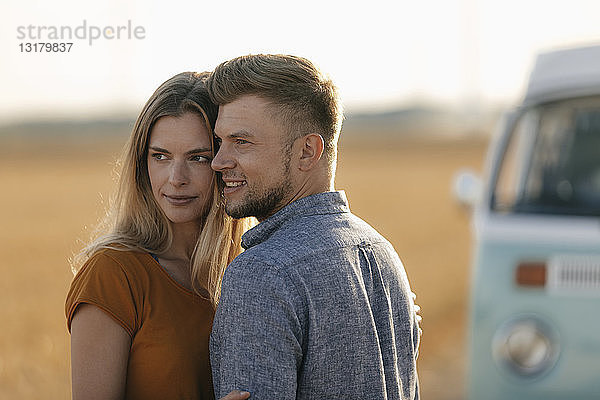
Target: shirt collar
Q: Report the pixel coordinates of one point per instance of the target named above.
(319, 203)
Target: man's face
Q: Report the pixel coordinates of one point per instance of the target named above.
(252, 158)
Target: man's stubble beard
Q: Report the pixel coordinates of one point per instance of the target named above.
(263, 205)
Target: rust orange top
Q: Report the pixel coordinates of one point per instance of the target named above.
(168, 324)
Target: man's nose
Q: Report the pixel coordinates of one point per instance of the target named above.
(179, 174)
(222, 160)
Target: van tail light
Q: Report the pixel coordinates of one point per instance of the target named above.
(531, 274)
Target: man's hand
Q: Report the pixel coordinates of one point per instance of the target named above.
(236, 395)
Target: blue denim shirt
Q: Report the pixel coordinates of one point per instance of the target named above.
(317, 307)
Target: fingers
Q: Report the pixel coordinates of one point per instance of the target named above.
(236, 395)
(417, 311)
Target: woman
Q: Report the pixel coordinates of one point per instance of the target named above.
(140, 308)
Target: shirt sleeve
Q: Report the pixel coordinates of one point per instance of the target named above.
(256, 341)
(104, 283)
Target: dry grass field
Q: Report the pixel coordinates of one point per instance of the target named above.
(50, 193)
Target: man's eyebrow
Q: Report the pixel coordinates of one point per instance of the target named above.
(240, 133)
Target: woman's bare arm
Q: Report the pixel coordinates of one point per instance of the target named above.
(99, 355)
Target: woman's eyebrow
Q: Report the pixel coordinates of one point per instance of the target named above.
(200, 150)
(159, 149)
(193, 151)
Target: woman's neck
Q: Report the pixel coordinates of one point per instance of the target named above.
(184, 241)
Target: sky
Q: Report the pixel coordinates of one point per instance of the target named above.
(381, 54)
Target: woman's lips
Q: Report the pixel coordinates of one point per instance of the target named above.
(179, 200)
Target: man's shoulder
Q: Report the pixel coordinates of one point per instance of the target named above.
(315, 234)
(339, 229)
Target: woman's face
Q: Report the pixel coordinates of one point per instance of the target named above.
(179, 157)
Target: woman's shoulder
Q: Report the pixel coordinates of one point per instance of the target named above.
(117, 260)
(110, 270)
(115, 280)
(117, 253)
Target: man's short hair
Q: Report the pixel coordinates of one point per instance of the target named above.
(305, 100)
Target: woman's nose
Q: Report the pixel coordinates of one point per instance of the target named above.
(179, 175)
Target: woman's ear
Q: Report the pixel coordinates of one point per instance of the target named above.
(312, 150)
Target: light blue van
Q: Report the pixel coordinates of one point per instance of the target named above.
(535, 303)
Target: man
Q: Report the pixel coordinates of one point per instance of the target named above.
(319, 305)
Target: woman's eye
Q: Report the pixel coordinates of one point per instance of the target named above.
(159, 156)
(200, 158)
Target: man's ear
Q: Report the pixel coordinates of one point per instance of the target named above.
(311, 151)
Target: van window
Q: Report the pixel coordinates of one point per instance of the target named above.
(551, 164)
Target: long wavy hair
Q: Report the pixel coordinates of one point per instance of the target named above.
(134, 220)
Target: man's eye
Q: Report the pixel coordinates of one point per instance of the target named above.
(241, 141)
(200, 158)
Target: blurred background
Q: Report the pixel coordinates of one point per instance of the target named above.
(423, 84)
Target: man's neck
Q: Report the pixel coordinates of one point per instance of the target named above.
(307, 189)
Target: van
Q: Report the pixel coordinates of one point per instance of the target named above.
(534, 320)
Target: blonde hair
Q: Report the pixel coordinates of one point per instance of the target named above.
(304, 98)
(134, 220)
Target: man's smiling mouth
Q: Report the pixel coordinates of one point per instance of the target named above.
(235, 184)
